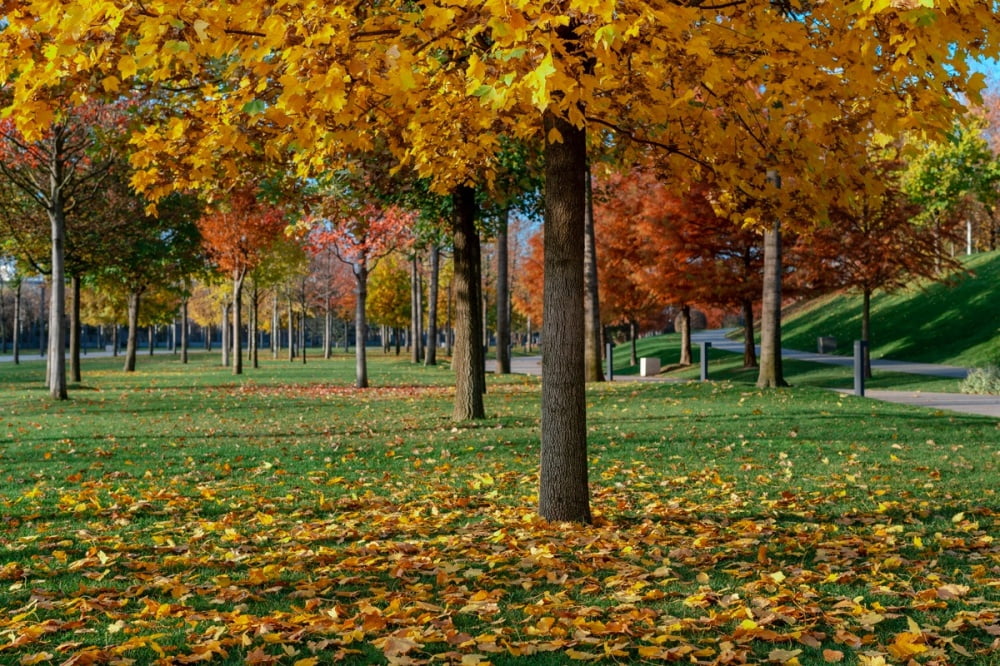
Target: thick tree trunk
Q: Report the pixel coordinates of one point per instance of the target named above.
(749, 346)
(563, 484)
(685, 332)
(237, 336)
(770, 374)
(74, 330)
(185, 325)
(467, 361)
(866, 330)
(360, 326)
(430, 357)
(503, 296)
(593, 368)
(132, 342)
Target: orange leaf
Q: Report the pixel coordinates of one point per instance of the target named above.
(832, 656)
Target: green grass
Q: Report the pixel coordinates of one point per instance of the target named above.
(952, 323)
(282, 515)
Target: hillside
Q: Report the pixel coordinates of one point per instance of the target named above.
(955, 324)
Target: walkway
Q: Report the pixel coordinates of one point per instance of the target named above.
(985, 405)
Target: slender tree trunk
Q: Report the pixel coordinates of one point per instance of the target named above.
(16, 342)
(237, 326)
(563, 483)
(255, 326)
(291, 332)
(685, 318)
(866, 330)
(503, 295)
(749, 346)
(132, 342)
(468, 362)
(327, 330)
(415, 310)
(430, 358)
(56, 380)
(275, 326)
(185, 325)
(633, 335)
(74, 330)
(115, 340)
(226, 333)
(593, 352)
(151, 338)
(770, 374)
(397, 336)
(360, 326)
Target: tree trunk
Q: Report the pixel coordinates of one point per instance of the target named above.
(593, 368)
(360, 326)
(685, 332)
(770, 374)
(415, 310)
(254, 337)
(563, 485)
(275, 327)
(468, 362)
(115, 340)
(430, 357)
(237, 336)
(749, 346)
(503, 296)
(16, 341)
(327, 330)
(56, 367)
(226, 342)
(633, 334)
(185, 325)
(74, 330)
(866, 330)
(449, 337)
(132, 342)
(151, 338)
(291, 331)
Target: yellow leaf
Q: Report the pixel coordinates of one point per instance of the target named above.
(308, 661)
(110, 83)
(906, 646)
(958, 517)
(582, 656)
(264, 518)
(555, 136)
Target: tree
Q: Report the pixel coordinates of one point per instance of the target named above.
(360, 235)
(60, 167)
(236, 238)
(443, 79)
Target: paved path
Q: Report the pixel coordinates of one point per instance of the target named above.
(985, 405)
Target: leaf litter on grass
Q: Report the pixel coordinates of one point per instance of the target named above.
(441, 559)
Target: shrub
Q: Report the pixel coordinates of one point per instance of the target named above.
(984, 381)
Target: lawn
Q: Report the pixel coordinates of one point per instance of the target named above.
(181, 515)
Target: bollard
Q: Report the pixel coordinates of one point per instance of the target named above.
(609, 354)
(705, 346)
(859, 367)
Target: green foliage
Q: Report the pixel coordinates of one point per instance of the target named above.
(952, 323)
(982, 381)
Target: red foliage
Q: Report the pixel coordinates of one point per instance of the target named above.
(526, 295)
(237, 237)
(360, 236)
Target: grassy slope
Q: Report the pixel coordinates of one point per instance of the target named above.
(956, 324)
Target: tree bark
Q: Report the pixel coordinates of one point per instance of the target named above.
(291, 331)
(749, 345)
(16, 337)
(151, 338)
(254, 337)
(685, 317)
(633, 335)
(503, 296)
(226, 341)
(416, 311)
(56, 379)
(132, 342)
(467, 360)
(74, 330)
(593, 368)
(237, 337)
(563, 484)
(430, 357)
(770, 374)
(866, 330)
(360, 326)
(185, 325)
